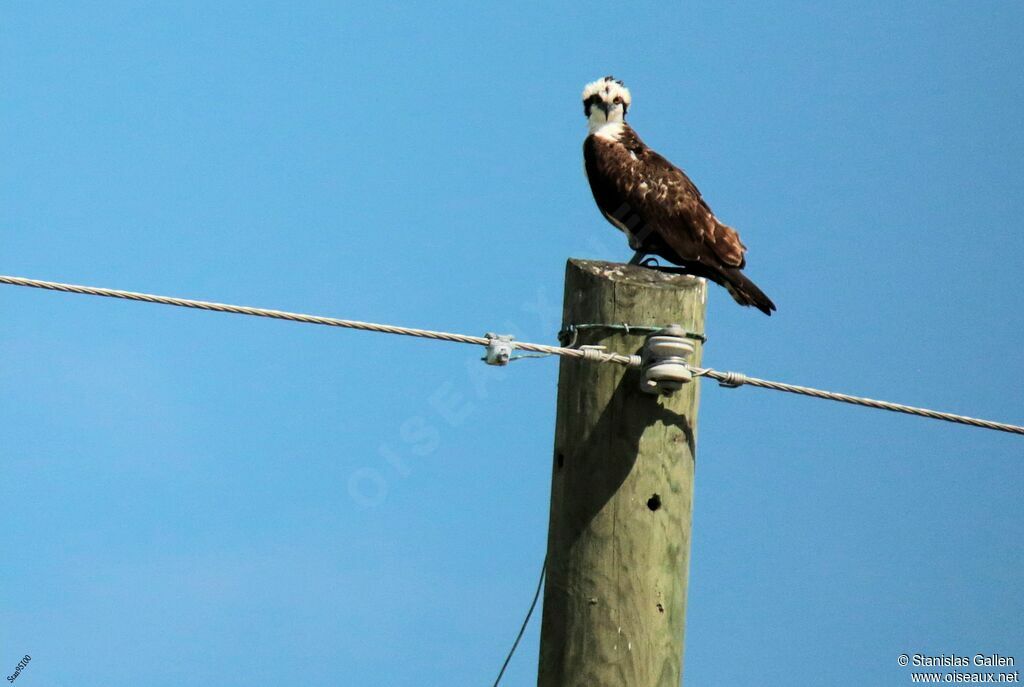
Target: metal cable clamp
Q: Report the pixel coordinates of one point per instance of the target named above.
(499, 349)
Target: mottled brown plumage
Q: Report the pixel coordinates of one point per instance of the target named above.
(655, 203)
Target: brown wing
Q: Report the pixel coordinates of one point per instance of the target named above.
(669, 202)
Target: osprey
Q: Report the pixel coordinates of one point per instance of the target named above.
(654, 203)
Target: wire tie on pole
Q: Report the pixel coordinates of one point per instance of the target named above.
(573, 330)
(567, 337)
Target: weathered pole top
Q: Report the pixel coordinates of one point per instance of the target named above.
(635, 274)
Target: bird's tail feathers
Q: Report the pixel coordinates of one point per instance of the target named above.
(744, 291)
(739, 286)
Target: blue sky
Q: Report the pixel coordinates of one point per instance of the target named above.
(219, 500)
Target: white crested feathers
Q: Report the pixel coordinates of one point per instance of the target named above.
(608, 88)
(606, 102)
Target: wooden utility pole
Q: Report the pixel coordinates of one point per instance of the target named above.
(621, 490)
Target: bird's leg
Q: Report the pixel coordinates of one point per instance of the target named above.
(673, 269)
(637, 258)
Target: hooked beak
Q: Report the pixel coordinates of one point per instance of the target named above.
(603, 106)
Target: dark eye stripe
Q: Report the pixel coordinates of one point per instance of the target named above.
(596, 98)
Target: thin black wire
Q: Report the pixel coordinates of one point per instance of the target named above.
(573, 330)
(526, 621)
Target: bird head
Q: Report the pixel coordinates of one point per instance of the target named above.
(605, 101)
